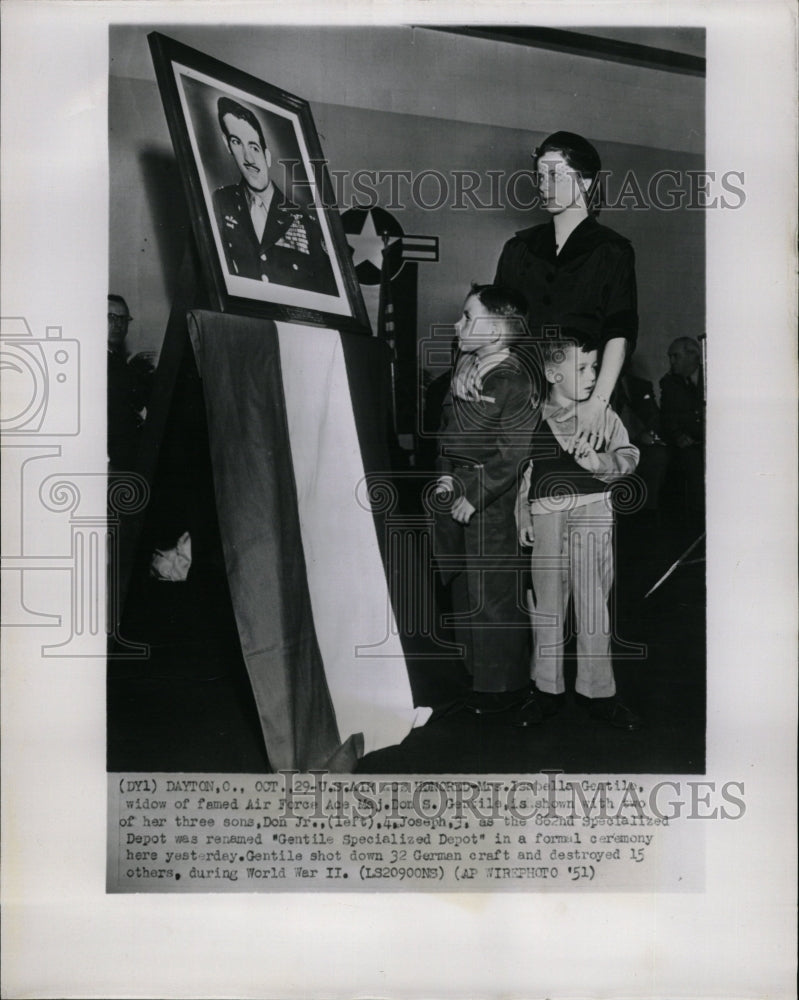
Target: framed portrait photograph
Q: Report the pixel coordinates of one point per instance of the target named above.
(262, 207)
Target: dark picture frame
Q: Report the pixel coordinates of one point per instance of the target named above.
(300, 269)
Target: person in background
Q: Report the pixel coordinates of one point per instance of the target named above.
(124, 391)
(682, 410)
(635, 402)
(489, 415)
(568, 520)
(575, 274)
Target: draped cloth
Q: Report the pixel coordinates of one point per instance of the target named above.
(302, 552)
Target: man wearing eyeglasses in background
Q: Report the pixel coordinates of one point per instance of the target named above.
(127, 390)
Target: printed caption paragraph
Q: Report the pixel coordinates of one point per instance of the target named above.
(311, 832)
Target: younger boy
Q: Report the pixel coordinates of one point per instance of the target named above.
(569, 523)
(489, 415)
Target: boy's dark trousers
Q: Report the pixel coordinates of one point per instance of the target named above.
(487, 594)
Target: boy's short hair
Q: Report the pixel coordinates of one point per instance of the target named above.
(553, 352)
(504, 303)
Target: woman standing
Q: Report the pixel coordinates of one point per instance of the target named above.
(577, 276)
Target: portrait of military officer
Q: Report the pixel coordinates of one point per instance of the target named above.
(266, 237)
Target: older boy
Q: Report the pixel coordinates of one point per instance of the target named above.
(569, 522)
(488, 418)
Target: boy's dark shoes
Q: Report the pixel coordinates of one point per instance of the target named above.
(538, 705)
(529, 713)
(611, 711)
(492, 702)
(550, 704)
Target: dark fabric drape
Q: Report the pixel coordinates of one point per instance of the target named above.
(239, 363)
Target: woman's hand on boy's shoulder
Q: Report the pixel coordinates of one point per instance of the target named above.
(444, 484)
(587, 422)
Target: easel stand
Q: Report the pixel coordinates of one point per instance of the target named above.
(682, 561)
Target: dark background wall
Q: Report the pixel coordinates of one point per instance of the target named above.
(417, 99)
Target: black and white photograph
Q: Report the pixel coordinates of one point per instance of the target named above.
(406, 606)
(513, 461)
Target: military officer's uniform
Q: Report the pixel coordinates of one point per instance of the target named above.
(291, 250)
